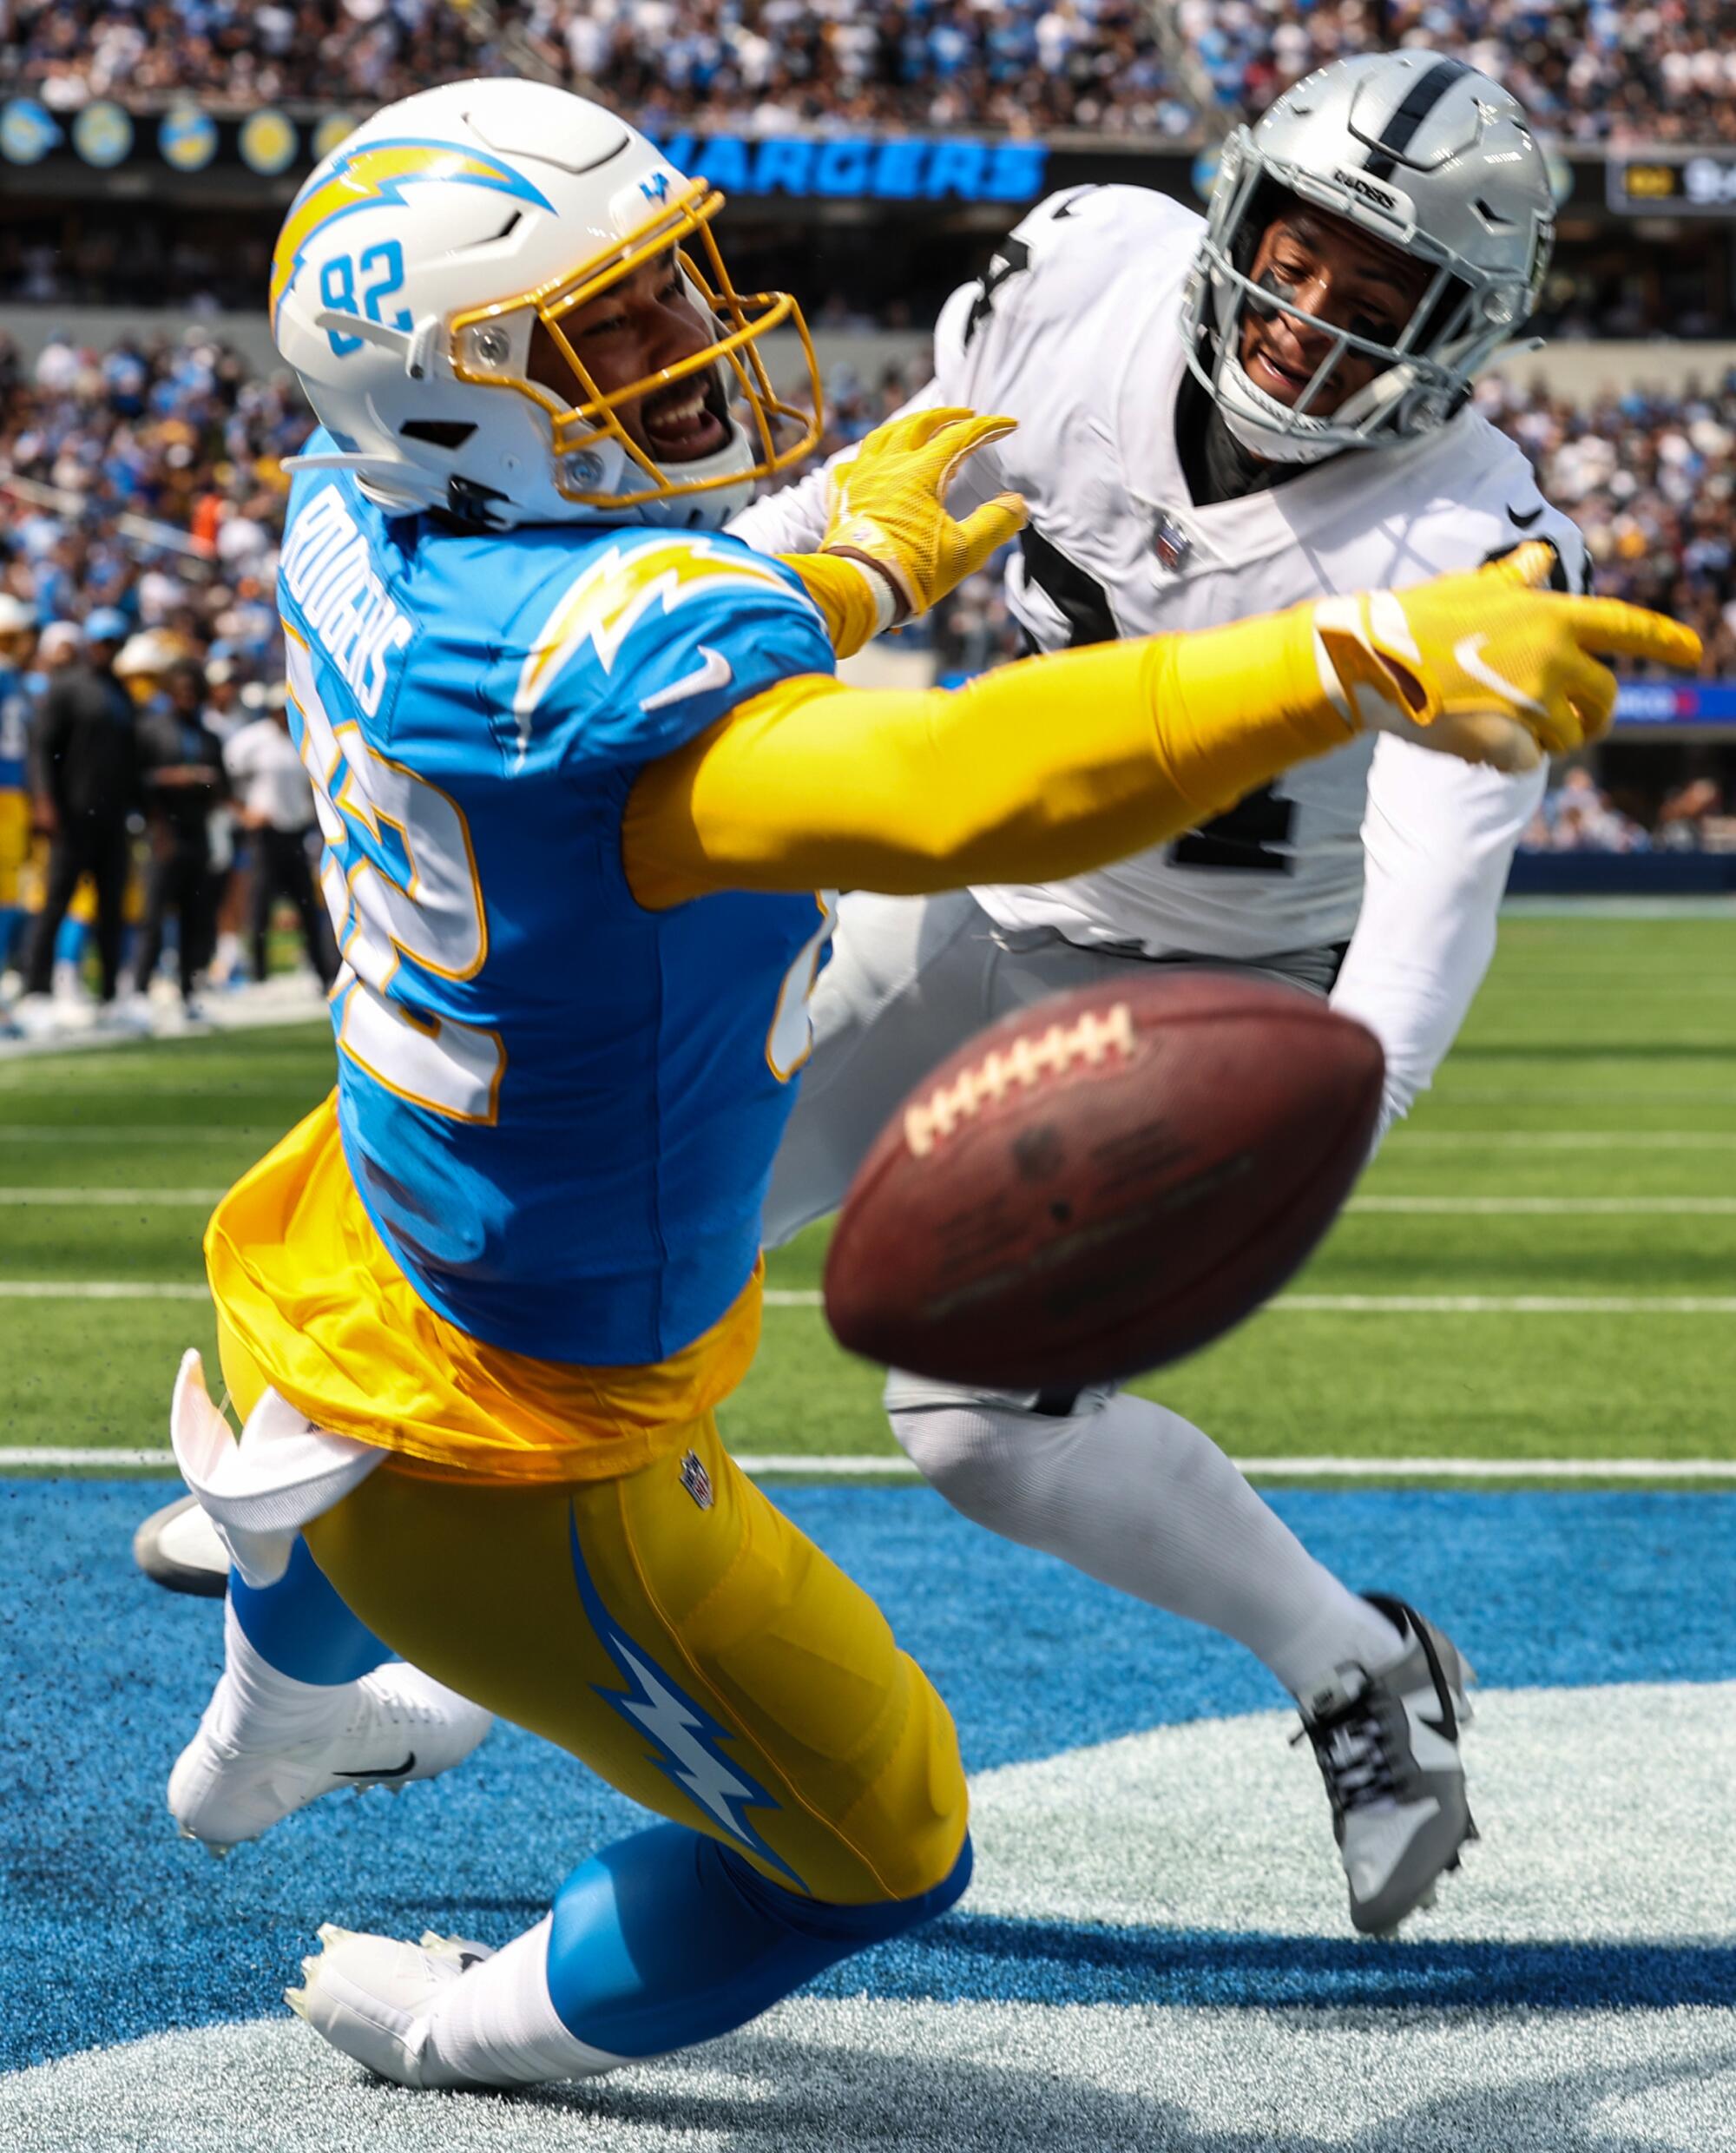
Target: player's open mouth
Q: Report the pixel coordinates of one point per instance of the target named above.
(1278, 374)
(1279, 377)
(684, 421)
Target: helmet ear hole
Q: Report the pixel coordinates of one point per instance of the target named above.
(439, 433)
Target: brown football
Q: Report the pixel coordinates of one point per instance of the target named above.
(1103, 1182)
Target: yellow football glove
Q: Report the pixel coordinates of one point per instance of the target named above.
(889, 505)
(1487, 667)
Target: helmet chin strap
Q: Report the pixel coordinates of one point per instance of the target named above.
(1264, 427)
(1270, 430)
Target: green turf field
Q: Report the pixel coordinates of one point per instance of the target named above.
(1595, 1082)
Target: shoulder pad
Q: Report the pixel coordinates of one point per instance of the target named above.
(1064, 257)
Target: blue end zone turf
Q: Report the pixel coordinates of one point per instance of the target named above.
(117, 1929)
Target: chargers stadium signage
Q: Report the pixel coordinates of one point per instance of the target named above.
(269, 143)
(894, 167)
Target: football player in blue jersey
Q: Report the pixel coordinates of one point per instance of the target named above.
(581, 765)
(17, 635)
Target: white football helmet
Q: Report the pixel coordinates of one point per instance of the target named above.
(414, 265)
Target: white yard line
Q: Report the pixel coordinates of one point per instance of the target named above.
(29, 1198)
(1439, 1304)
(58, 1458)
(1562, 1139)
(1291, 1304)
(1506, 1304)
(98, 1289)
(1490, 1207)
(1543, 1207)
(1394, 1207)
(129, 1132)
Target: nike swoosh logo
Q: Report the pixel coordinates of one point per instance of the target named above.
(1468, 658)
(1525, 522)
(714, 673)
(395, 1771)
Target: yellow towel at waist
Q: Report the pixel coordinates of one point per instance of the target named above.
(309, 1290)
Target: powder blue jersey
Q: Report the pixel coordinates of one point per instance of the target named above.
(559, 1109)
(14, 712)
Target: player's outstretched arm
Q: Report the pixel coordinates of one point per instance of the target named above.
(891, 547)
(1060, 764)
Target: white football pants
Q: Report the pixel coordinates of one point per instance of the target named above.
(1121, 1488)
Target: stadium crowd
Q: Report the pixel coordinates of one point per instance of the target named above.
(1659, 70)
(1587, 71)
(144, 749)
(143, 497)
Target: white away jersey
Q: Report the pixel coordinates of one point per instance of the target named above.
(1075, 332)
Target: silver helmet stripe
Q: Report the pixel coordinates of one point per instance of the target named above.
(1418, 102)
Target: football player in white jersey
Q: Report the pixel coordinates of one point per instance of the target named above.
(1214, 419)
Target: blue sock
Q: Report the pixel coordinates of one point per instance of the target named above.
(10, 917)
(300, 1627)
(69, 943)
(669, 1938)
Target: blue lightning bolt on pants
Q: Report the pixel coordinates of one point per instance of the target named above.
(673, 1629)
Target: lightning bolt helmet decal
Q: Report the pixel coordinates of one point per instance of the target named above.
(377, 173)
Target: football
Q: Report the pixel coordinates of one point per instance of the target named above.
(1103, 1182)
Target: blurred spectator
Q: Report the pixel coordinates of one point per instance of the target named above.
(1685, 815)
(86, 784)
(182, 765)
(274, 802)
(17, 634)
(1576, 817)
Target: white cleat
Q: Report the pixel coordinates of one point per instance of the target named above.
(373, 1998)
(443, 2012)
(179, 1548)
(393, 1726)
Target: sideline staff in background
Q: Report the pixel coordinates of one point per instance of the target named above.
(275, 804)
(86, 782)
(182, 764)
(17, 639)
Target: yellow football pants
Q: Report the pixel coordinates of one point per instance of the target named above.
(15, 844)
(775, 1711)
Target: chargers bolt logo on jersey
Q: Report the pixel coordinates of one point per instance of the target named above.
(365, 178)
(603, 604)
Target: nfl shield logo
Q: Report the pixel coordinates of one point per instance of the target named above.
(696, 1480)
(1172, 543)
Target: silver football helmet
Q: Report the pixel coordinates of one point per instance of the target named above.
(1422, 153)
